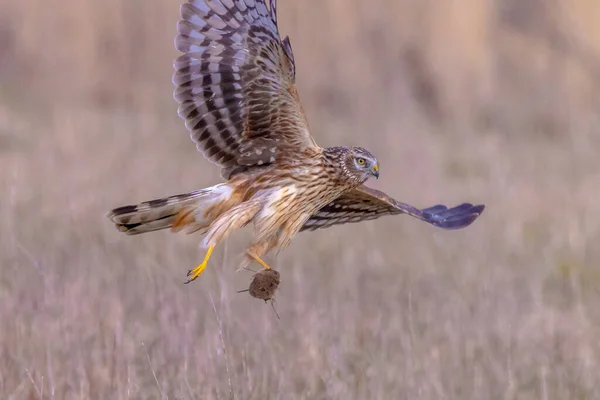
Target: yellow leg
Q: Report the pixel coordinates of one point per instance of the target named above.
(194, 273)
(259, 260)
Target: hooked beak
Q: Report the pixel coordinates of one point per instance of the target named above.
(375, 171)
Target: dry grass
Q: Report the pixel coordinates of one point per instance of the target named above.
(491, 101)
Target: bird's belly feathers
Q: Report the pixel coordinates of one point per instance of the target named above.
(285, 209)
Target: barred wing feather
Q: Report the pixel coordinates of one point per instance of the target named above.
(235, 83)
(364, 203)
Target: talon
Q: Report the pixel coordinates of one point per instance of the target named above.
(195, 273)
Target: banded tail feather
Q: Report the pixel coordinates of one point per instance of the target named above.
(186, 211)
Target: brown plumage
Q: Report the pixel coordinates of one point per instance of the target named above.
(235, 83)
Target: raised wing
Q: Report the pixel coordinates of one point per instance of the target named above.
(364, 203)
(235, 83)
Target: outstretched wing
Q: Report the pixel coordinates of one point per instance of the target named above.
(236, 83)
(364, 203)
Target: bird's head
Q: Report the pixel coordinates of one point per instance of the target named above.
(360, 165)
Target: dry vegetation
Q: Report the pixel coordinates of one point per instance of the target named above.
(493, 101)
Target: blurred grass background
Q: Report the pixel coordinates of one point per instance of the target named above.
(491, 101)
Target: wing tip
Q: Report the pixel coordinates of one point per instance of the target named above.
(457, 217)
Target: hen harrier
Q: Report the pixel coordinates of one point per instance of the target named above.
(235, 86)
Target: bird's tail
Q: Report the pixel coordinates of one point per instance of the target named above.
(189, 211)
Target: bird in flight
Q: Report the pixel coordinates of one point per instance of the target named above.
(235, 85)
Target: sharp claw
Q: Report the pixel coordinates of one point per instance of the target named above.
(194, 274)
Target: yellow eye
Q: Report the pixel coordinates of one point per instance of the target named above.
(360, 161)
